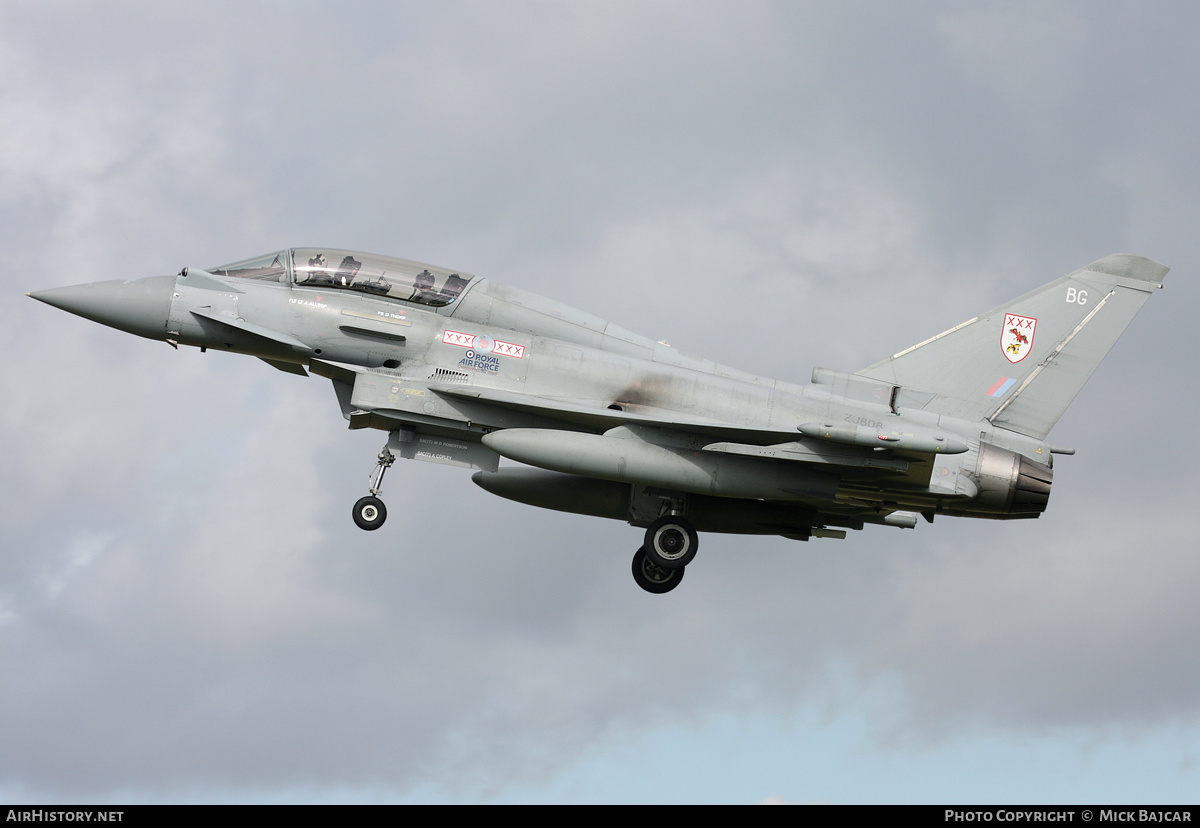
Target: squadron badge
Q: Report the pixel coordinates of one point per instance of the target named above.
(1016, 337)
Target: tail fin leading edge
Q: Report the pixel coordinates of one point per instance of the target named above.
(1021, 364)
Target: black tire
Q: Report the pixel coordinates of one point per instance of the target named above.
(671, 542)
(369, 513)
(652, 577)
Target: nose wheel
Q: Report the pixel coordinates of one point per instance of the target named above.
(369, 512)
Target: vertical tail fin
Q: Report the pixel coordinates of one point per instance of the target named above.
(1019, 365)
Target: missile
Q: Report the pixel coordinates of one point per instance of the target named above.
(631, 460)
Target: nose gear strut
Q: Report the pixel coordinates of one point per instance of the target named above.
(369, 512)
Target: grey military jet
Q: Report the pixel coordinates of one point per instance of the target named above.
(462, 371)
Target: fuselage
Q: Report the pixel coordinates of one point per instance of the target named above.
(414, 329)
(463, 371)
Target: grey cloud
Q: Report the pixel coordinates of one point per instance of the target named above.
(185, 606)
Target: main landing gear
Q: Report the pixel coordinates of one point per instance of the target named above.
(652, 577)
(671, 544)
(369, 512)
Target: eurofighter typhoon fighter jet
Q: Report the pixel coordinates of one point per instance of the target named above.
(463, 371)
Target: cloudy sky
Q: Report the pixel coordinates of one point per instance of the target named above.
(187, 612)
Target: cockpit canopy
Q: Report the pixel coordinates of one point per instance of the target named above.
(350, 270)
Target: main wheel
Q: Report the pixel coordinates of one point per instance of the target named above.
(369, 513)
(652, 577)
(671, 542)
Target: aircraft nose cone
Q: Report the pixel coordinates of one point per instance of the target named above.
(139, 306)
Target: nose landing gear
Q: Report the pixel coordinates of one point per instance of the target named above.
(369, 512)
